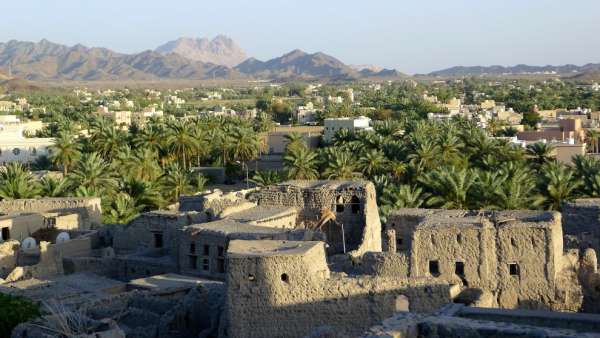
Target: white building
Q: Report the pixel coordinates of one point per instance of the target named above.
(352, 124)
(305, 114)
(14, 146)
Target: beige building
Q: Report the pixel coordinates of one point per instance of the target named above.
(14, 146)
(276, 139)
(352, 124)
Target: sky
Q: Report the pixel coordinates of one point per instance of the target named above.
(411, 36)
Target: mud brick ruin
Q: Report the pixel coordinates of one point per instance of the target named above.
(305, 259)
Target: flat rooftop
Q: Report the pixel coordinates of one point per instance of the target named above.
(229, 227)
(261, 212)
(68, 290)
(170, 281)
(326, 184)
(269, 248)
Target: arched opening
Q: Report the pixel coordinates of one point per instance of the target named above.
(251, 277)
(339, 204)
(285, 278)
(355, 204)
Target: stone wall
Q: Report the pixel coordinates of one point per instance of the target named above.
(88, 208)
(289, 283)
(581, 218)
(353, 203)
(516, 255)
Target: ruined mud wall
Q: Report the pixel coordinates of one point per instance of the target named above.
(581, 218)
(88, 208)
(297, 293)
(354, 204)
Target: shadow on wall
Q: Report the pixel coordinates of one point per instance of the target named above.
(345, 315)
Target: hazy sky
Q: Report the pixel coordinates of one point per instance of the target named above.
(412, 36)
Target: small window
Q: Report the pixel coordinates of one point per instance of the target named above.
(206, 250)
(220, 251)
(459, 238)
(16, 151)
(459, 268)
(221, 265)
(399, 242)
(285, 278)
(158, 240)
(434, 268)
(513, 242)
(205, 264)
(513, 269)
(251, 277)
(5, 233)
(192, 248)
(339, 208)
(193, 262)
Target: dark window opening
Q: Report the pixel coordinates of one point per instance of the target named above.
(339, 208)
(220, 251)
(193, 262)
(221, 265)
(192, 248)
(355, 202)
(251, 277)
(513, 269)
(458, 239)
(205, 264)
(158, 240)
(399, 242)
(208, 216)
(434, 268)
(285, 278)
(206, 250)
(513, 242)
(459, 268)
(6, 233)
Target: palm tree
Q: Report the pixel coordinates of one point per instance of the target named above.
(176, 181)
(373, 163)
(108, 140)
(16, 182)
(450, 188)
(182, 141)
(301, 164)
(146, 195)
(294, 140)
(592, 136)
(400, 196)
(342, 166)
(517, 188)
(540, 152)
(53, 187)
(93, 174)
(65, 152)
(266, 177)
(121, 209)
(558, 185)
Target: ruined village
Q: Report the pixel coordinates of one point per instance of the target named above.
(302, 259)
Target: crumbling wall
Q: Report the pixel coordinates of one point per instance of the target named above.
(581, 218)
(293, 287)
(353, 203)
(88, 208)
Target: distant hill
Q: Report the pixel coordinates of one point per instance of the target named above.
(514, 70)
(17, 85)
(587, 77)
(45, 60)
(221, 50)
(300, 65)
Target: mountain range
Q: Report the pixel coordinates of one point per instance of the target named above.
(221, 50)
(460, 71)
(185, 58)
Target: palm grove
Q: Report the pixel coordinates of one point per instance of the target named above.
(451, 165)
(133, 170)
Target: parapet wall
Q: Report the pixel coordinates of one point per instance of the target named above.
(89, 208)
